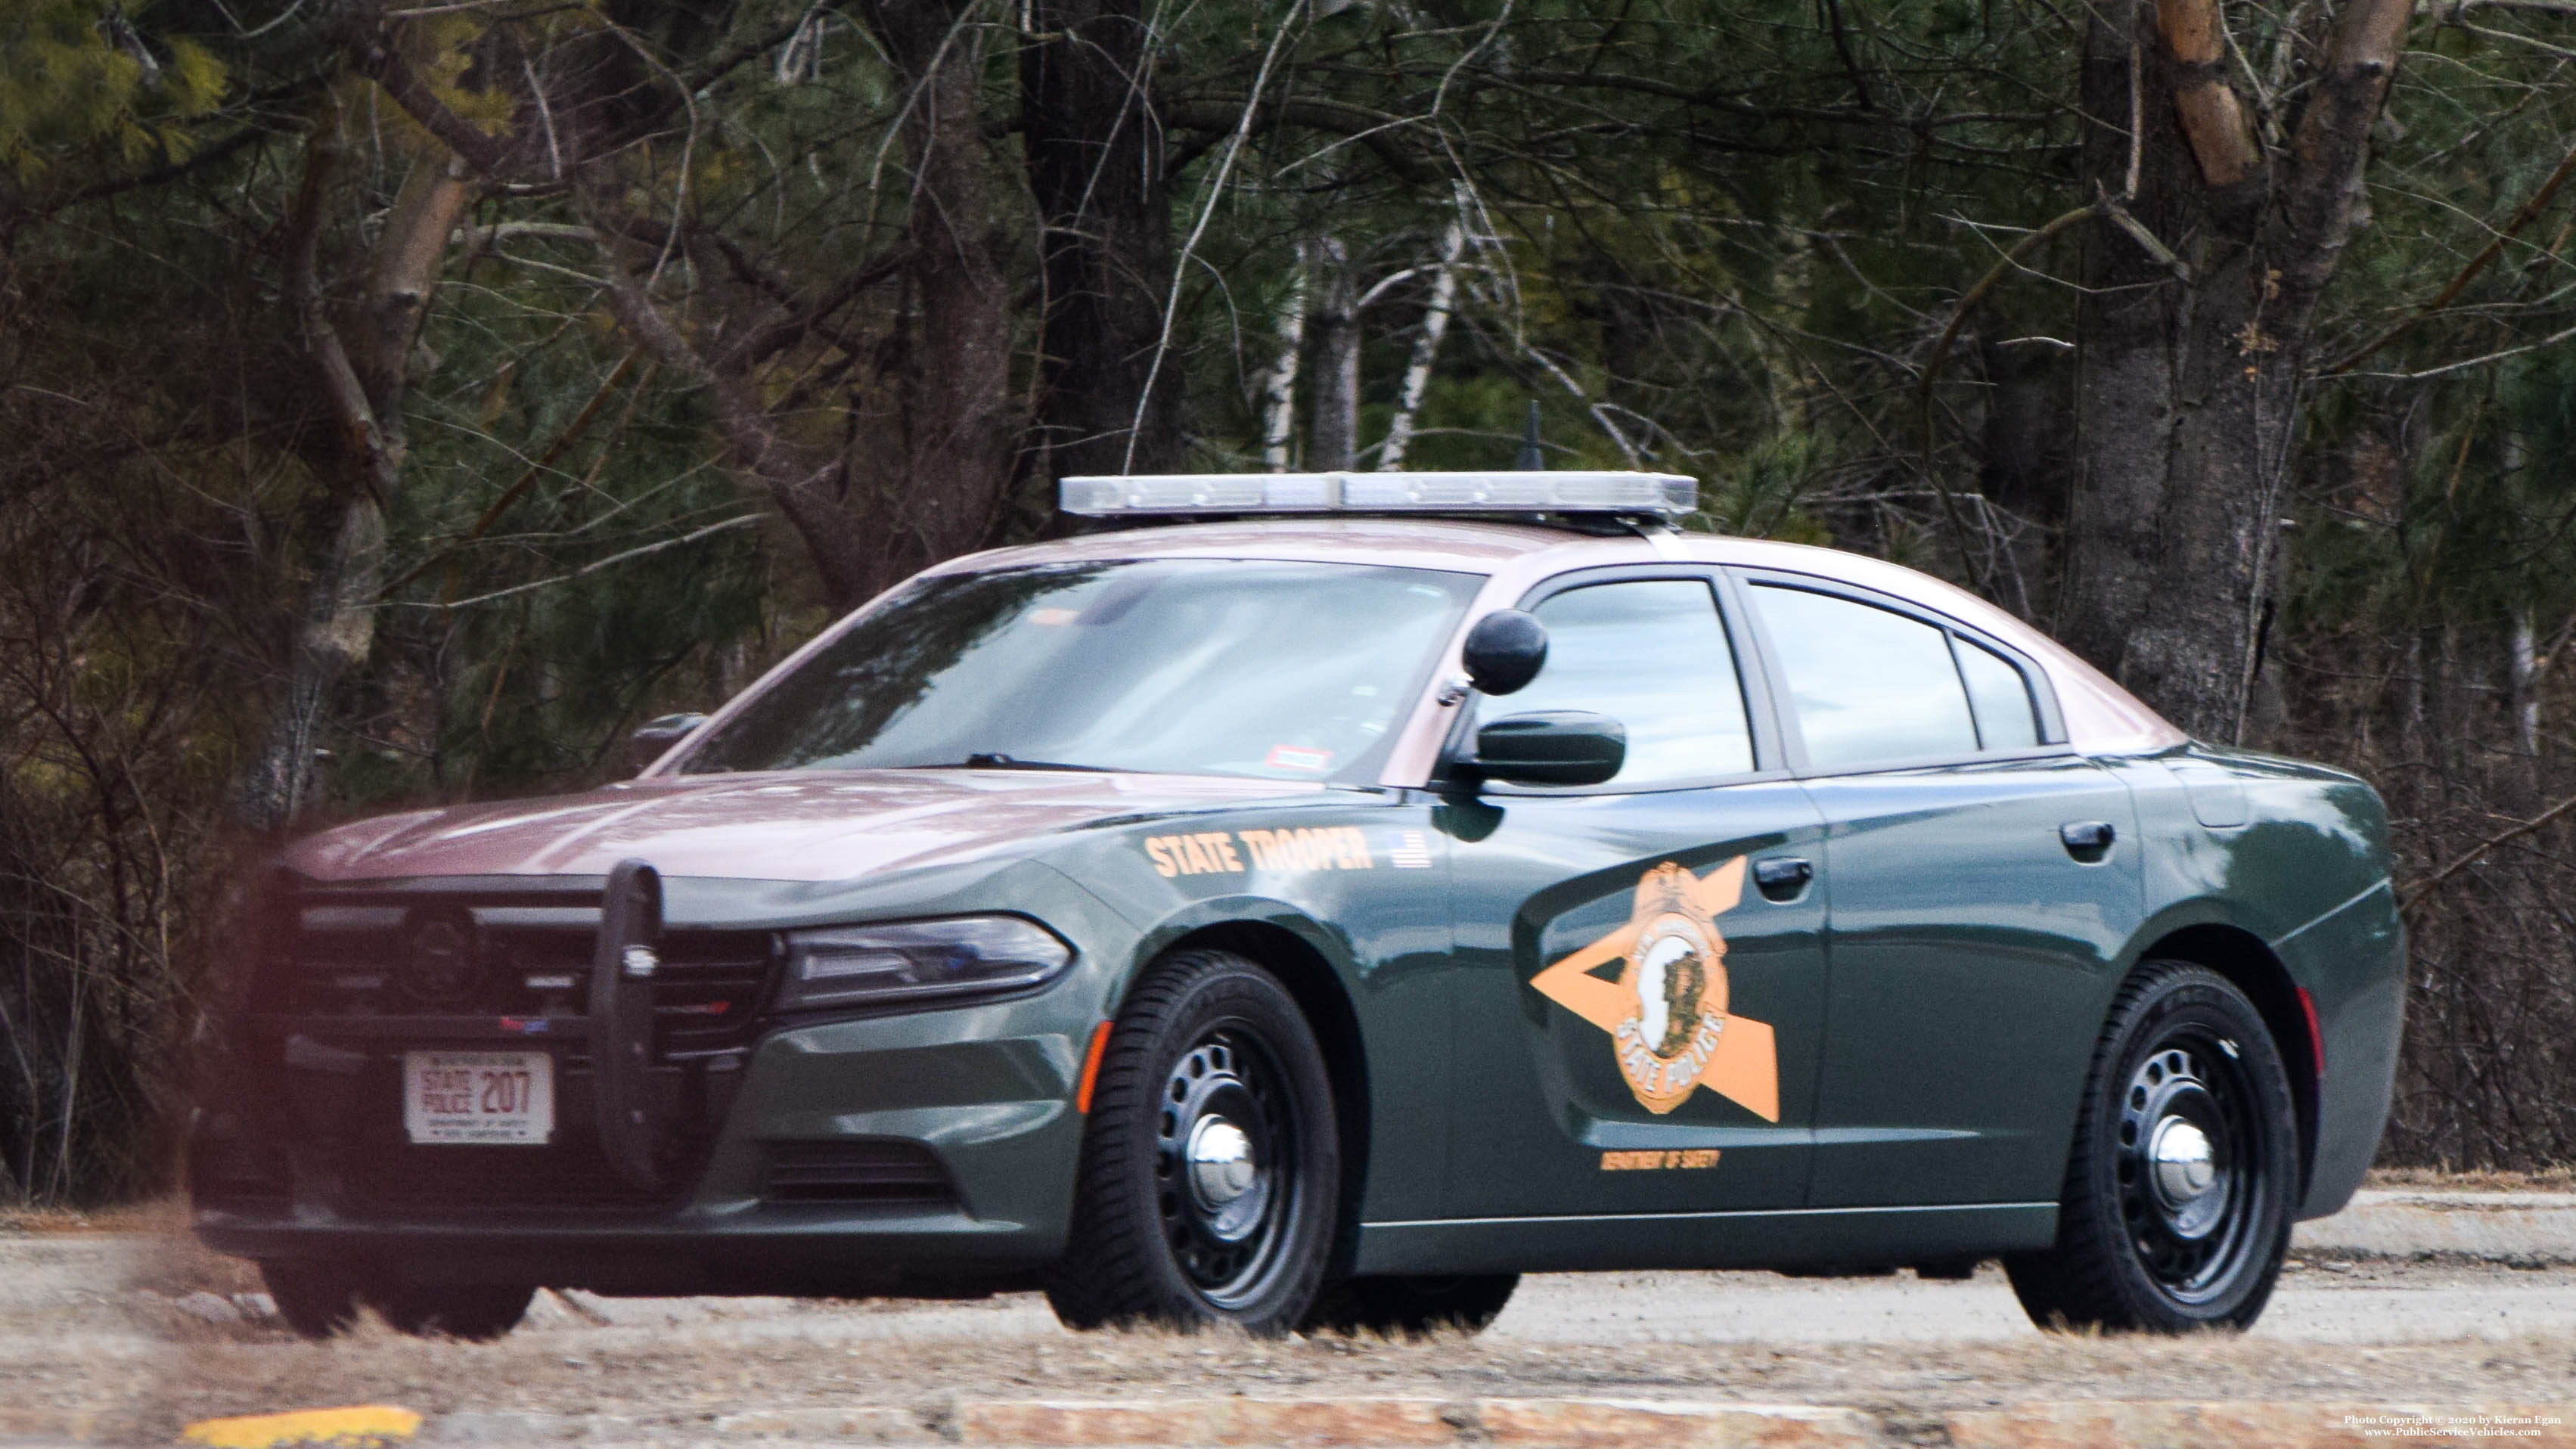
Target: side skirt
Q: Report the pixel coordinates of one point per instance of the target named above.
(1790, 1238)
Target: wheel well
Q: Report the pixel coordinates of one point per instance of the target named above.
(2250, 966)
(1318, 990)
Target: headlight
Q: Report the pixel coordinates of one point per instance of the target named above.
(918, 961)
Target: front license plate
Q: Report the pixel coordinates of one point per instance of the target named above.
(482, 1099)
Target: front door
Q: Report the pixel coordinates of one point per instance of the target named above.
(1637, 1017)
(1983, 882)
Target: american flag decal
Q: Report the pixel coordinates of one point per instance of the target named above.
(1409, 852)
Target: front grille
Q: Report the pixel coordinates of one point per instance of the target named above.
(355, 977)
(887, 1173)
(522, 957)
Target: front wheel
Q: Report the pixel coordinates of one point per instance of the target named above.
(2176, 1209)
(321, 1298)
(1211, 1175)
(478, 1311)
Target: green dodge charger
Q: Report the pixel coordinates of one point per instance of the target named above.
(1315, 910)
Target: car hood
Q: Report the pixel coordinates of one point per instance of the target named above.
(801, 826)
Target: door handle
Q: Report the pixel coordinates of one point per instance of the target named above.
(2087, 840)
(1781, 878)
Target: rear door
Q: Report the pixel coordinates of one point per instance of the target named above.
(1983, 877)
(1637, 1023)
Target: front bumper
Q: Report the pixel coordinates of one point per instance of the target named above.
(984, 1093)
(299, 1149)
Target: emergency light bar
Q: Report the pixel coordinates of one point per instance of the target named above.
(1494, 492)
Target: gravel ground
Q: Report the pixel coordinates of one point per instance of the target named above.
(685, 1377)
(127, 1336)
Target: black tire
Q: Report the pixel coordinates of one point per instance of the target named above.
(2180, 1186)
(317, 1299)
(1211, 1175)
(320, 1298)
(479, 1311)
(1411, 1307)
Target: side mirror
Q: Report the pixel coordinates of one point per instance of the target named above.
(1552, 747)
(656, 735)
(1504, 651)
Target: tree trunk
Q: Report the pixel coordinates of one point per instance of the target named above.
(362, 364)
(961, 426)
(1279, 388)
(2200, 284)
(1426, 350)
(1334, 435)
(1095, 169)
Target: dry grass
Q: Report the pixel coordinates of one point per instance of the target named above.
(687, 1378)
(154, 1215)
(2554, 1179)
(117, 1358)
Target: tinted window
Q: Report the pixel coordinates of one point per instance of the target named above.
(1206, 666)
(1652, 656)
(2006, 719)
(1869, 685)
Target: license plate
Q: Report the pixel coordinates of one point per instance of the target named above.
(484, 1099)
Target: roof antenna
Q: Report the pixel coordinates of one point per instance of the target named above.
(1532, 460)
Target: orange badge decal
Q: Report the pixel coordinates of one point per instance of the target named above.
(1666, 1014)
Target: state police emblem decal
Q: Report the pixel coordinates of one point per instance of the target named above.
(1666, 1013)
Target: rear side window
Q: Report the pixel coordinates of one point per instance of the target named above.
(1651, 654)
(1870, 686)
(2006, 718)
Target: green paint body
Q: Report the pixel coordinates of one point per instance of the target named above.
(1935, 993)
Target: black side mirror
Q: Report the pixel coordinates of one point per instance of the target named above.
(1504, 651)
(656, 735)
(1552, 747)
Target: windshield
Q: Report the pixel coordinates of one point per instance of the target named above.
(1288, 671)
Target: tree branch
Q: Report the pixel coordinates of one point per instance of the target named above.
(1370, 128)
(2529, 213)
(372, 53)
(2417, 894)
(2333, 144)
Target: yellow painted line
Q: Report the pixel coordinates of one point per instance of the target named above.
(364, 1424)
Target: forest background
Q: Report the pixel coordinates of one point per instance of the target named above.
(401, 402)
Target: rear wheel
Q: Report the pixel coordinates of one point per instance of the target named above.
(2176, 1209)
(1210, 1171)
(1412, 1306)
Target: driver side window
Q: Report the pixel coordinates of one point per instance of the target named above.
(1651, 654)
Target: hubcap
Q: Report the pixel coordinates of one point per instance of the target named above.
(2188, 1188)
(1225, 1156)
(2184, 1173)
(1221, 1167)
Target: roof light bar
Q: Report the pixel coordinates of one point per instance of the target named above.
(1494, 492)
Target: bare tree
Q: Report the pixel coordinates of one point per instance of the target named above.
(2202, 279)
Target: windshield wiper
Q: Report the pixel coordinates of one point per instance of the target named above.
(984, 761)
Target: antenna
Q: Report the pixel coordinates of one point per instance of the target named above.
(1532, 460)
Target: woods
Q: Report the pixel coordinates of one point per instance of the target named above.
(400, 403)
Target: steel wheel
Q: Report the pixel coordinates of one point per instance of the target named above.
(1221, 1140)
(2180, 1183)
(2185, 1192)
